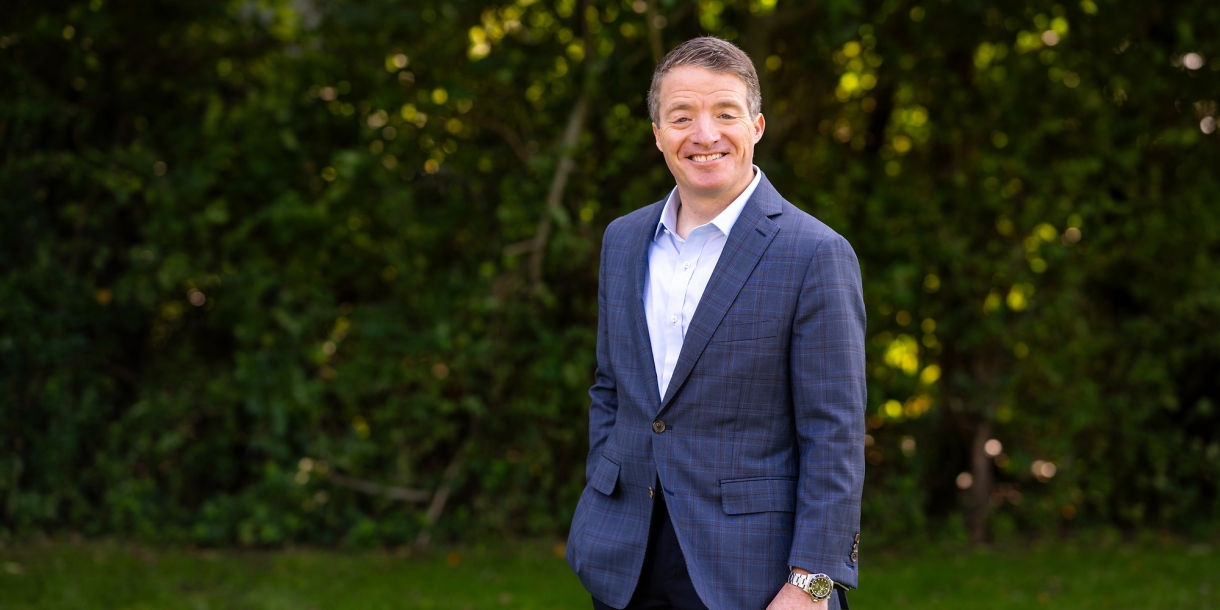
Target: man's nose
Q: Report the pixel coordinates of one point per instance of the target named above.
(706, 132)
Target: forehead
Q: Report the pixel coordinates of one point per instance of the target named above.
(686, 84)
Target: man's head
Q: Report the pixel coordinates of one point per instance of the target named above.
(705, 108)
(712, 54)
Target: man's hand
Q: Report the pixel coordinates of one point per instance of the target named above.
(792, 598)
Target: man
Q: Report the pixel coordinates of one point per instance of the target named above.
(726, 430)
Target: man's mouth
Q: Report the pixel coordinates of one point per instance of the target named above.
(706, 158)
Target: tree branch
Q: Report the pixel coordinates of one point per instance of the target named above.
(654, 33)
(369, 487)
(511, 137)
(438, 501)
(554, 199)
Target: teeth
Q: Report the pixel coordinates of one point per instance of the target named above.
(706, 158)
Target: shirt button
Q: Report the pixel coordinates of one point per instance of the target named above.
(673, 319)
(686, 266)
(658, 426)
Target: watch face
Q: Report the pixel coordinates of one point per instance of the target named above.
(820, 587)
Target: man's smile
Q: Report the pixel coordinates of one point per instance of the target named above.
(706, 158)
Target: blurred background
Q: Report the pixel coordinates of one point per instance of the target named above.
(294, 272)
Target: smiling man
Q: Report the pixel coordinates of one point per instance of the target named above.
(726, 430)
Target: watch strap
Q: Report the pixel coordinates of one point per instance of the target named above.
(818, 586)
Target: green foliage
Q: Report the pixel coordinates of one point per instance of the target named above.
(251, 245)
(1066, 574)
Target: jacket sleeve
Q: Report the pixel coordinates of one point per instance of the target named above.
(829, 395)
(603, 410)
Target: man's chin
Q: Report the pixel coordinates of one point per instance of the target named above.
(710, 187)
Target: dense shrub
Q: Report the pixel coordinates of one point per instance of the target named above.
(250, 246)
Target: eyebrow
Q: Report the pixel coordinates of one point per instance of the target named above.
(718, 104)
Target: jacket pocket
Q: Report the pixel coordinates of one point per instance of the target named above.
(758, 495)
(745, 331)
(605, 476)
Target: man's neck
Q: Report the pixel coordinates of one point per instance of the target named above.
(694, 211)
(692, 215)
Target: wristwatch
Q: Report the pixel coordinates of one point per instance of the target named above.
(818, 586)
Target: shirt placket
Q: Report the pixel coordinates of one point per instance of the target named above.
(679, 292)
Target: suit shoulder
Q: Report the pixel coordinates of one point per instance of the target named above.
(806, 231)
(633, 221)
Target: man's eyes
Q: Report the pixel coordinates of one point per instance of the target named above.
(724, 115)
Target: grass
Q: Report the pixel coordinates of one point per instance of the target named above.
(106, 575)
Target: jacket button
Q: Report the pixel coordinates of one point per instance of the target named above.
(855, 556)
(857, 539)
(658, 426)
(650, 492)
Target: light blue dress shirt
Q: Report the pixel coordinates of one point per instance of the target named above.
(678, 273)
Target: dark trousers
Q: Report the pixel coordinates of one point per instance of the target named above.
(664, 581)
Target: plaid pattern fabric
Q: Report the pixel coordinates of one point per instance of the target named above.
(762, 453)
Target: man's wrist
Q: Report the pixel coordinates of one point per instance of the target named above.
(818, 587)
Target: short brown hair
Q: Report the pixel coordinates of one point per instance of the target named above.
(709, 53)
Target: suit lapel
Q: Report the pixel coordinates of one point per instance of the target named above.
(643, 343)
(748, 240)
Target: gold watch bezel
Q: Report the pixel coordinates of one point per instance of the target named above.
(819, 587)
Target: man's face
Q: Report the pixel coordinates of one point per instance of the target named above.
(706, 133)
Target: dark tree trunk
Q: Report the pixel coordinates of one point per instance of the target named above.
(980, 490)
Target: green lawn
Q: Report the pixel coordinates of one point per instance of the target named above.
(52, 576)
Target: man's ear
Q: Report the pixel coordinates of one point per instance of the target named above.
(760, 125)
(656, 136)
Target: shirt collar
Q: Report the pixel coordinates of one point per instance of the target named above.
(723, 221)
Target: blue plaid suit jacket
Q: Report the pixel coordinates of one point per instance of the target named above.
(762, 453)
